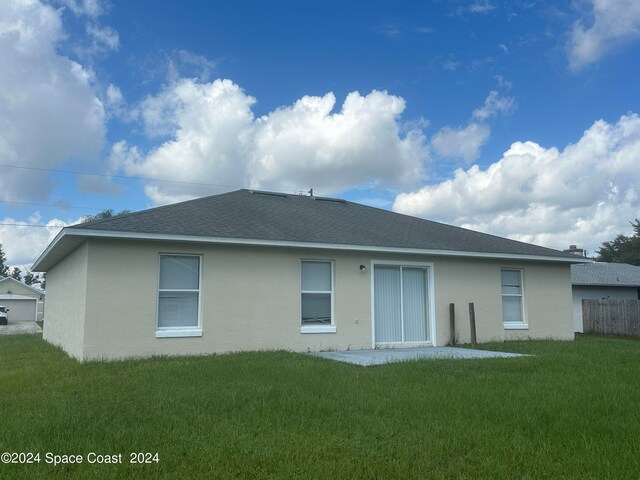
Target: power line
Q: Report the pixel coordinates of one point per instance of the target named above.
(37, 225)
(127, 177)
(54, 205)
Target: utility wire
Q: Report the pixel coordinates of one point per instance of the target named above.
(127, 177)
(104, 175)
(54, 205)
(37, 225)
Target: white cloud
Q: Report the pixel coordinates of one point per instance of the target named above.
(48, 109)
(389, 30)
(462, 142)
(88, 8)
(493, 105)
(465, 142)
(614, 24)
(103, 38)
(481, 7)
(451, 65)
(183, 63)
(169, 66)
(23, 244)
(584, 194)
(215, 138)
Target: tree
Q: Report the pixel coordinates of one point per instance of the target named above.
(4, 268)
(30, 278)
(622, 249)
(108, 213)
(16, 273)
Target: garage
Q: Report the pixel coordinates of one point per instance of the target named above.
(21, 308)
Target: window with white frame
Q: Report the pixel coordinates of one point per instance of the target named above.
(317, 296)
(512, 296)
(179, 295)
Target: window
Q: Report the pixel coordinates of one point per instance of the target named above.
(512, 311)
(317, 297)
(179, 296)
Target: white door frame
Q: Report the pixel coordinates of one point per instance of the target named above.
(430, 297)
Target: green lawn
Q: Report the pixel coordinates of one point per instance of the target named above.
(570, 411)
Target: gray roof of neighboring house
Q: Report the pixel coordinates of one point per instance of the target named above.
(605, 274)
(269, 218)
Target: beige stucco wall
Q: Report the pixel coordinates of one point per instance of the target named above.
(251, 299)
(547, 298)
(67, 284)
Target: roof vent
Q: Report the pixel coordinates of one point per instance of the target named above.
(269, 194)
(327, 199)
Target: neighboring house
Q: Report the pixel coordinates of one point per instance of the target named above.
(250, 270)
(25, 303)
(597, 281)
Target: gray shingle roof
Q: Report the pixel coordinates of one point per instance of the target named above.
(606, 274)
(246, 214)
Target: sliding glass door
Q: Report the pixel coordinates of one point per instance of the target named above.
(401, 304)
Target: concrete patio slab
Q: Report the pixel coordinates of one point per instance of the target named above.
(367, 358)
(19, 328)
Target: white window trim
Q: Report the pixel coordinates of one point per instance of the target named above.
(177, 332)
(523, 325)
(318, 328)
(515, 326)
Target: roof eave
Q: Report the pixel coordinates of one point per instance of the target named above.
(48, 259)
(40, 265)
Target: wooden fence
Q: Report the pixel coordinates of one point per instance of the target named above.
(611, 317)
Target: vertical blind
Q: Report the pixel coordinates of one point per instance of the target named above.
(400, 303)
(387, 304)
(414, 304)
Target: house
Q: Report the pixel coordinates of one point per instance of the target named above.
(252, 270)
(599, 280)
(25, 302)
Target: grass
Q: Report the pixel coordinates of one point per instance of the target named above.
(570, 411)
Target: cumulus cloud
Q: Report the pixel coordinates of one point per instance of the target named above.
(462, 142)
(466, 141)
(48, 109)
(88, 8)
(493, 105)
(103, 38)
(584, 194)
(215, 138)
(613, 24)
(23, 244)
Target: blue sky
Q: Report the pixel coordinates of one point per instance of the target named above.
(517, 118)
